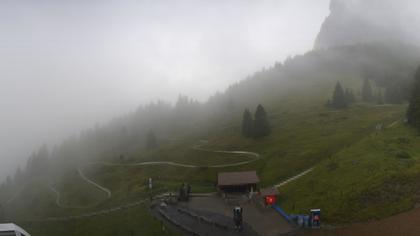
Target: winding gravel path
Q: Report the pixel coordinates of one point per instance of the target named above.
(294, 177)
(61, 205)
(89, 214)
(253, 157)
(393, 123)
(82, 175)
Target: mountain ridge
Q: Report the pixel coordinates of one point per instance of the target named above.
(356, 21)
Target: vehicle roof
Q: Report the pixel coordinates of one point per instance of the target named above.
(13, 227)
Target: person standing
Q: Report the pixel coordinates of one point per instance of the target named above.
(188, 192)
(237, 218)
(150, 183)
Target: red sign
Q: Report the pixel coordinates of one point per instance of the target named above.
(270, 200)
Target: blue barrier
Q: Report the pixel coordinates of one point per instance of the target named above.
(283, 213)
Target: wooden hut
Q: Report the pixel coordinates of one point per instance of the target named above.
(240, 182)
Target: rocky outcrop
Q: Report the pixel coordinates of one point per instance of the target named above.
(360, 21)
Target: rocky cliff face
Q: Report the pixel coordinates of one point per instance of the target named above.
(361, 21)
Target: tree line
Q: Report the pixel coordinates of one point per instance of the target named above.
(257, 126)
(413, 111)
(343, 97)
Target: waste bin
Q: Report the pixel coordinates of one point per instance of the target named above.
(316, 218)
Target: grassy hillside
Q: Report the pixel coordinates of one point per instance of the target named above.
(360, 173)
(134, 221)
(305, 139)
(373, 178)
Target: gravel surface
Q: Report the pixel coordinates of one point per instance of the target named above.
(198, 222)
(265, 221)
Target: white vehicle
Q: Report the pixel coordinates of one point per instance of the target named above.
(12, 230)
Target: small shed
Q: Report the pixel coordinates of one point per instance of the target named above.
(245, 181)
(269, 195)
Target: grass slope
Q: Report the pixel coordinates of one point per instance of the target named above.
(374, 178)
(130, 222)
(302, 137)
(359, 174)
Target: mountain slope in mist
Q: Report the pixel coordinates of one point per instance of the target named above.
(359, 21)
(305, 134)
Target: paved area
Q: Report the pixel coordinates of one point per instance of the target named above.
(265, 221)
(198, 222)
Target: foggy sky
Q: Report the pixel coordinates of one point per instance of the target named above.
(400, 18)
(65, 65)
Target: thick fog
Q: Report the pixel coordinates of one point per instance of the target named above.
(398, 20)
(65, 65)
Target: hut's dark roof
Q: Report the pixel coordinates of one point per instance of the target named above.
(270, 191)
(237, 178)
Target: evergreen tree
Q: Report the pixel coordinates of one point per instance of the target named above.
(247, 124)
(8, 181)
(367, 94)
(393, 94)
(38, 164)
(328, 103)
(2, 218)
(261, 124)
(349, 96)
(230, 106)
(339, 98)
(379, 98)
(151, 141)
(413, 112)
(18, 175)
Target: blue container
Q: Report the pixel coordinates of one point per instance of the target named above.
(294, 217)
(300, 220)
(306, 220)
